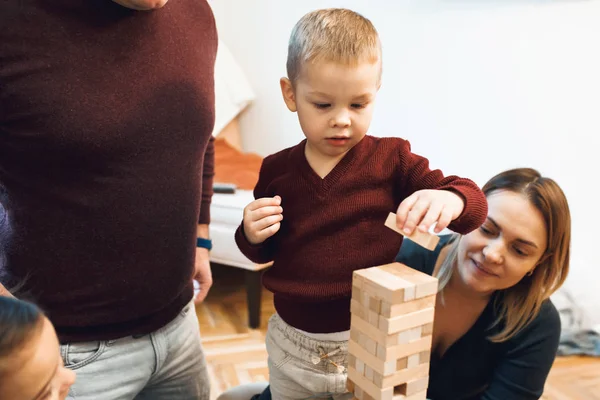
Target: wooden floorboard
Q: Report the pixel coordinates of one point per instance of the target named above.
(237, 355)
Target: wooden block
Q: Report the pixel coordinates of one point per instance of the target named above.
(356, 293)
(373, 332)
(360, 366)
(409, 335)
(402, 363)
(371, 345)
(354, 334)
(415, 333)
(389, 310)
(427, 329)
(365, 313)
(385, 368)
(401, 350)
(375, 305)
(402, 376)
(407, 321)
(417, 396)
(425, 239)
(414, 360)
(358, 310)
(369, 373)
(425, 356)
(350, 385)
(416, 386)
(370, 388)
(426, 285)
(352, 360)
(384, 285)
(373, 318)
(359, 393)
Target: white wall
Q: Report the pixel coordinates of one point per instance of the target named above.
(476, 86)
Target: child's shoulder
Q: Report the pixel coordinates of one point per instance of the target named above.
(283, 157)
(389, 144)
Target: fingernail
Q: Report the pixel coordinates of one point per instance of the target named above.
(406, 230)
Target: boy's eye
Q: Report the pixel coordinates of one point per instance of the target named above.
(322, 105)
(357, 105)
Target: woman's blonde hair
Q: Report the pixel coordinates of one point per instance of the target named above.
(518, 305)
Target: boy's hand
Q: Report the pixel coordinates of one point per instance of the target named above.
(262, 219)
(426, 207)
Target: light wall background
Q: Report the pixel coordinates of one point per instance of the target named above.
(476, 86)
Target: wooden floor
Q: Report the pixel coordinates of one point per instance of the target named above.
(237, 354)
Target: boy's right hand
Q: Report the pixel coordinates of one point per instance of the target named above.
(262, 219)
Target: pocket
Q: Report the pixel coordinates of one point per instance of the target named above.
(278, 356)
(78, 355)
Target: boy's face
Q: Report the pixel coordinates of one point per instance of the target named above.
(334, 104)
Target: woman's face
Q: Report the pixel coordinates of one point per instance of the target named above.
(39, 372)
(506, 247)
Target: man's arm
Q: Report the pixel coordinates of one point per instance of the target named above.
(203, 273)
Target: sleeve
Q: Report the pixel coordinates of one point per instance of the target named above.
(263, 252)
(208, 173)
(416, 175)
(522, 373)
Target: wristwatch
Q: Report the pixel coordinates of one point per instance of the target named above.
(204, 243)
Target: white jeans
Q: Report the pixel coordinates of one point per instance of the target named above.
(167, 364)
(293, 372)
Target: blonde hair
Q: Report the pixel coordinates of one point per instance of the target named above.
(518, 305)
(332, 34)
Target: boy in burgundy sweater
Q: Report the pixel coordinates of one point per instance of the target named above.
(321, 205)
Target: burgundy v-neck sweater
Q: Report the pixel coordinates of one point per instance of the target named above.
(335, 225)
(105, 119)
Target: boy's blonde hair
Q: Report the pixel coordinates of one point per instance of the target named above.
(332, 34)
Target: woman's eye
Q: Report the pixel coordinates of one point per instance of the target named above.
(485, 230)
(520, 252)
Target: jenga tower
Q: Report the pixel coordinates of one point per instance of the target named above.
(390, 336)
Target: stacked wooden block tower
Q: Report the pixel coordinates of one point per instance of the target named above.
(390, 336)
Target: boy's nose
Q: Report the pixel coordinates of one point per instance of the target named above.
(341, 119)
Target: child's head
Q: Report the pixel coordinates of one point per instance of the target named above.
(31, 367)
(334, 73)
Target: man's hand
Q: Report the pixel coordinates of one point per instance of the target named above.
(262, 219)
(425, 207)
(202, 274)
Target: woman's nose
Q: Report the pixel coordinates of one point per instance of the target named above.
(493, 252)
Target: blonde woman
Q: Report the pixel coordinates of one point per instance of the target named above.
(496, 332)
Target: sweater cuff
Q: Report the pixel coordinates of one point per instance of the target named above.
(474, 212)
(255, 253)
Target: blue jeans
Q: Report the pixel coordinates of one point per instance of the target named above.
(167, 364)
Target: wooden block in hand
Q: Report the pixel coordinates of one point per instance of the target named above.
(425, 239)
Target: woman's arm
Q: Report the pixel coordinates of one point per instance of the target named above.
(522, 373)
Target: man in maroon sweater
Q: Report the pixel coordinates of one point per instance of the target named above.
(106, 166)
(321, 205)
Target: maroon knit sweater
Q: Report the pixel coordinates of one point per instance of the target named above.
(335, 225)
(105, 120)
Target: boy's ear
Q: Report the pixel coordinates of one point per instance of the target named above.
(287, 90)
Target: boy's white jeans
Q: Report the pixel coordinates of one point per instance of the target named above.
(294, 372)
(167, 364)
